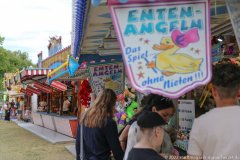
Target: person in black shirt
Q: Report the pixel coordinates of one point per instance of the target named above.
(151, 139)
(99, 130)
(7, 111)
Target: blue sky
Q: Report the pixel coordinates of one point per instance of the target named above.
(28, 24)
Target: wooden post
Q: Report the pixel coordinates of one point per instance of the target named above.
(78, 99)
(61, 104)
(189, 95)
(74, 101)
(29, 101)
(48, 103)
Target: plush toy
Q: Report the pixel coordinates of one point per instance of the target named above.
(120, 99)
(123, 101)
(126, 106)
(129, 94)
(131, 109)
(121, 118)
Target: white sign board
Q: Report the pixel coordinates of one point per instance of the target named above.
(107, 75)
(186, 114)
(165, 44)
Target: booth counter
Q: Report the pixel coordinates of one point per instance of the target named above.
(66, 125)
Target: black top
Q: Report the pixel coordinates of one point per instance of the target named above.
(99, 142)
(12, 104)
(144, 154)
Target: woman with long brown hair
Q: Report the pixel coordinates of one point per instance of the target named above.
(99, 130)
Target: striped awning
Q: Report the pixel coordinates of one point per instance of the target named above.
(28, 76)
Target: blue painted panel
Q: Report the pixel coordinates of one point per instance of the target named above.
(55, 65)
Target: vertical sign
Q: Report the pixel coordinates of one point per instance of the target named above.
(234, 12)
(108, 75)
(165, 44)
(186, 114)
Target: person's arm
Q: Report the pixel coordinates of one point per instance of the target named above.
(77, 144)
(111, 134)
(123, 137)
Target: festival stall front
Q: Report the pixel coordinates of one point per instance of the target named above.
(166, 47)
(13, 85)
(50, 94)
(160, 43)
(51, 117)
(99, 50)
(28, 77)
(51, 101)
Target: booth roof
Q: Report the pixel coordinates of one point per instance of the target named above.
(92, 25)
(28, 76)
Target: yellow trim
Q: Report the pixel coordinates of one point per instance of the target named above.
(59, 68)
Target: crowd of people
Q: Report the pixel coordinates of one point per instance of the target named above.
(14, 109)
(10, 109)
(214, 135)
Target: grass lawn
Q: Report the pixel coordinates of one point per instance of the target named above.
(18, 144)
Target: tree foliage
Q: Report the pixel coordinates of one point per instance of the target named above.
(11, 61)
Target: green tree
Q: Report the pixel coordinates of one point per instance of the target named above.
(11, 61)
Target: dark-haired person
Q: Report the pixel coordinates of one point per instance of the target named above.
(154, 103)
(124, 134)
(216, 133)
(149, 145)
(7, 108)
(66, 106)
(100, 134)
(13, 108)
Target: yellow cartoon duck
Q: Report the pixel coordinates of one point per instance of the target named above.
(169, 62)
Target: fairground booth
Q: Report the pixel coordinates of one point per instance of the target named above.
(136, 47)
(12, 94)
(45, 100)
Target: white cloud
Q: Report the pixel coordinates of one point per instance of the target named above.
(27, 24)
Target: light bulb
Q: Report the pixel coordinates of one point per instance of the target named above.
(219, 39)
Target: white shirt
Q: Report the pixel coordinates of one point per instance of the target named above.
(134, 134)
(42, 104)
(215, 135)
(66, 104)
(5, 107)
